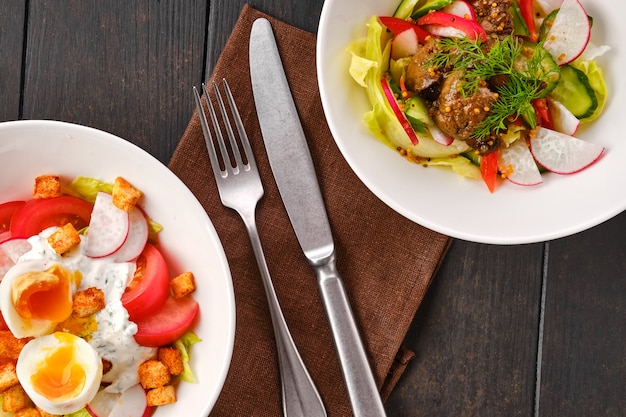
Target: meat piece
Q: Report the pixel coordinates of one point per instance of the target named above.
(419, 75)
(494, 16)
(457, 115)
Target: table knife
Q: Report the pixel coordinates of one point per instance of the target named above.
(292, 166)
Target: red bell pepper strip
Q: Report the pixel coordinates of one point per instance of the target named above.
(489, 169)
(543, 113)
(471, 28)
(526, 9)
(397, 26)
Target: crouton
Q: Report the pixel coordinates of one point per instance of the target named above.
(47, 186)
(29, 412)
(183, 284)
(15, 398)
(8, 376)
(46, 414)
(161, 396)
(88, 302)
(153, 374)
(107, 365)
(10, 346)
(172, 358)
(124, 195)
(64, 239)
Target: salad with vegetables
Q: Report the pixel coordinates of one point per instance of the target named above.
(93, 324)
(489, 88)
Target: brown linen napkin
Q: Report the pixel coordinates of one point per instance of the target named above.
(386, 261)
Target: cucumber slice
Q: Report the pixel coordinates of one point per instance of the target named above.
(549, 71)
(428, 6)
(416, 109)
(405, 9)
(574, 92)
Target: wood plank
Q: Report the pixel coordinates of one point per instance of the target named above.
(142, 58)
(223, 15)
(475, 336)
(12, 15)
(584, 356)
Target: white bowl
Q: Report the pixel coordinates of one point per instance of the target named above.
(441, 200)
(188, 239)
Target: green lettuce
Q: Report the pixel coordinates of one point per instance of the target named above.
(184, 345)
(88, 188)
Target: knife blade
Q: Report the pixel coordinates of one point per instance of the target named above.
(294, 172)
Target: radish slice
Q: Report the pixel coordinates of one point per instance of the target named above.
(5, 235)
(561, 153)
(404, 44)
(102, 403)
(569, 34)
(518, 164)
(439, 136)
(137, 237)
(15, 248)
(444, 31)
(460, 8)
(108, 228)
(548, 5)
(562, 119)
(391, 99)
(132, 403)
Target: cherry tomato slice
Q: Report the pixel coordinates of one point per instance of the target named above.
(6, 213)
(149, 289)
(39, 214)
(167, 324)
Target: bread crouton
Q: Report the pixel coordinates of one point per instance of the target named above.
(64, 239)
(124, 195)
(183, 284)
(8, 376)
(15, 398)
(153, 374)
(88, 302)
(47, 186)
(107, 365)
(10, 346)
(46, 414)
(161, 396)
(29, 412)
(172, 358)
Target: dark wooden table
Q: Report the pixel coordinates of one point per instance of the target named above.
(532, 330)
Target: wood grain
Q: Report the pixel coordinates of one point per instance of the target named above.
(123, 67)
(12, 15)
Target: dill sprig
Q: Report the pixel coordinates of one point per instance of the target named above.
(477, 64)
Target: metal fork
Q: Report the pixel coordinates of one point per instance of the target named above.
(240, 189)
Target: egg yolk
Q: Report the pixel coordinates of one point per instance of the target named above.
(59, 377)
(44, 295)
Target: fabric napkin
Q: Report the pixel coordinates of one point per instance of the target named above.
(386, 261)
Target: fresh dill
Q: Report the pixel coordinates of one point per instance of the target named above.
(520, 73)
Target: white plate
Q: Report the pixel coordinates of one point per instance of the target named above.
(189, 240)
(440, 199)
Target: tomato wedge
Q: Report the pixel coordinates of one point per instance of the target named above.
(39, 214)
(150, 288)
(167, 324)
(6, 213)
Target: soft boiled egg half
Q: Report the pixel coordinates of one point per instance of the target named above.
(37, 295)
(60, 372)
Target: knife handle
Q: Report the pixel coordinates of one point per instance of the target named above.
(362, 390)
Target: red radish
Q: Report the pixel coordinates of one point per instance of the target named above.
(561, 153)
(108, 228)
(562, 119)
(548, 5)
(518, 165)
(137, 237)
(396, 110)
(446, 24)
(6, 235)
(460, 8)
(439, 136)
(15, 248)
(404, 44)
(569, 34)
(130, 403)
(397, 26)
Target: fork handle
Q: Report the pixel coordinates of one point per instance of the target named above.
(299, 394)
(362, 390)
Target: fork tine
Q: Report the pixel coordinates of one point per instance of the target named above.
(208, 138)
(228, 124)
(245, 142)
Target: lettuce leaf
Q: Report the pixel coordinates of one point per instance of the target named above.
(184, 345)
(87, 188)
